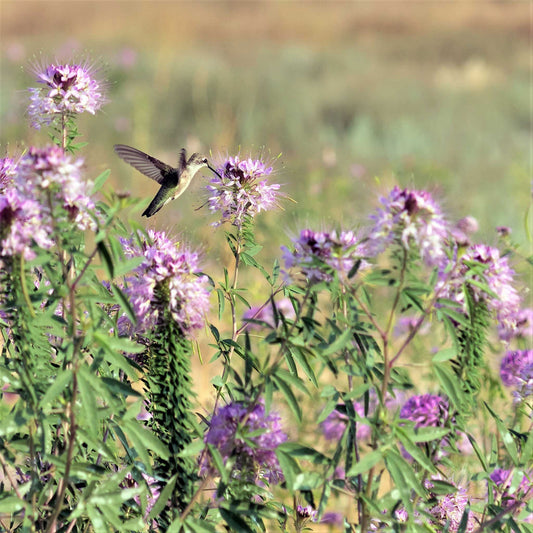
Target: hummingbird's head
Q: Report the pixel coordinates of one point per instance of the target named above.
(198, 161)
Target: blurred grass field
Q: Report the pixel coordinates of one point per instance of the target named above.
(428, 94)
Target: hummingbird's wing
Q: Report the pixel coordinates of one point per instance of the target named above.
(148, 165)
(183, 160)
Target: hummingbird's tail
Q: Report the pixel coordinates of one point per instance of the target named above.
(153, 208)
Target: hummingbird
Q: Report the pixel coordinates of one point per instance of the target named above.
(173, 181)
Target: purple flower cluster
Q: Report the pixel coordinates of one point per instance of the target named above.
(509, 498)
(513, 364)
(241, 191)
(249, 436)
(317, 254)
(503, 300)
(426, 410)
(166, 282)
(335, 423)
(45, 187)
(413, 220)
(516, 370)
(450, 509)
(522, 320)
(66, 90)
(7, 172)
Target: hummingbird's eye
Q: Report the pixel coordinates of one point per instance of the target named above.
(204, 160)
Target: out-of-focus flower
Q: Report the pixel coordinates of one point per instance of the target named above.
(406, 324)
(7, 172)
(522, 320)
(512, 364)
(66, 90)
(21, 224)
(248, 436)
(450, 509)
(511, 497)
(410, 219)
(153, 488)
(524, 387)
(335, 423)
(167, 281)
(463, 229)
(241, 191)
(257, 317)
(48, 174)
(426, 410)
(503, 299)
(333, 518)
(319, 254)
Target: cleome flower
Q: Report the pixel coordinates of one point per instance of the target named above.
(166, 284)
(66, 90)
(503, 299)
(7, 172)
(319, 254)
(246, 436)
(410, 219)
(426, 410)
(53, 178)
(241, 190)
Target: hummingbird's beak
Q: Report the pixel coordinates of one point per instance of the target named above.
(213, 170)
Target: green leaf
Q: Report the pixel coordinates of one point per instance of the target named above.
(165, 495)
(124, 303)
(444, 355)
(100, 180)
(507, 438)
(11, 504)
(304, 364)
(235, 522)
(365, 464)
(450, 384)
(119, 387)
(338, 344)
(145, 438)
(289, 467)
(403, 476)
(61, 382)
(88, 400)
(106, 258)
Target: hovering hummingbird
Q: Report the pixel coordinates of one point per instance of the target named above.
(173, 181)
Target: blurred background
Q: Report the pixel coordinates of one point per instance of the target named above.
(355, 97)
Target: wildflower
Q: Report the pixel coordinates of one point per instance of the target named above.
(524, 387)
(513, 363)
(426, 410)
(153, 490)
(21, 224)
(511, 494)
(503, 299)
(241, 190)
(66, 90)
(522, 325)
(462, 230)
(450, 509)
(413, 220)
(318, 254)
(166, 282)
(334, 425)
(7, 172)
(48, 174)
(249, 437)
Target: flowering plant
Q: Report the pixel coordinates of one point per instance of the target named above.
(360, 393)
